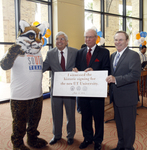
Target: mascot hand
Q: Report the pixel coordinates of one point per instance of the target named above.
(16, 50)
(8, 60)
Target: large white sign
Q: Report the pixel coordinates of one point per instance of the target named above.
(81, 84)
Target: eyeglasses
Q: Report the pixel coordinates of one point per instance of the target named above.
(90, 37)
(62, 39)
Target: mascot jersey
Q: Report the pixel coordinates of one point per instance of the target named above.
(26, 77)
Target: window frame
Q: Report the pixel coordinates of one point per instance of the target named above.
(124, 17)
(17, 19)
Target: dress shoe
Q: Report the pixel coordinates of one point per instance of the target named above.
(118, 148)
(53, 141)
(97, 146)
(70, 141)
(84, 144)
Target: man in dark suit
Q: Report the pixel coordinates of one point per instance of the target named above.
(54, 60)
(125, 72)
(92, 107)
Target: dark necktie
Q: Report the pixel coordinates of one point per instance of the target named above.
(62, 61)
(88, 56)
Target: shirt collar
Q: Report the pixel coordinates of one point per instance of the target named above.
(122, 51)
(92, 48)
(64, 50)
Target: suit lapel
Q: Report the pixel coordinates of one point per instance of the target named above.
(69, 57)
(112, 60)
(84, 57)
(121, 59)
(57, 58)
(94, 56)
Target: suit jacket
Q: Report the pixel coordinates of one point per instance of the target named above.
(127, 73)
(52, 62)
(100, 59)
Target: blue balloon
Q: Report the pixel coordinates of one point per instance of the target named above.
(140, 45)
(99, 33)
(143, 34)
(44, 32)
(45, 42)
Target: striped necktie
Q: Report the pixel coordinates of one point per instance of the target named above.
(116, 61)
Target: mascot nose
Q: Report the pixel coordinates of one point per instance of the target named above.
(38, 40)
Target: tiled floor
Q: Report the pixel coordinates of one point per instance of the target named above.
(4, 91)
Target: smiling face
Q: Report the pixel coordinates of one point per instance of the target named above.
(120, 41)
(61, 42)
(90, 38)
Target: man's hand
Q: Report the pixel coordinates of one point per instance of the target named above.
(75, 69)
(110, 79)
(88, 69)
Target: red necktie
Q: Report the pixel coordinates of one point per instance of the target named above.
(88, 56)
(62, 61)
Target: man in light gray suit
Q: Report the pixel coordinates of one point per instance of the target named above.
(61, 54)
(125, 72)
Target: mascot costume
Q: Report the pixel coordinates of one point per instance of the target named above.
(25, 61)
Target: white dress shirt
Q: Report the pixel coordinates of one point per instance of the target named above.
(143, 57)
(64, 54)
(92, 49)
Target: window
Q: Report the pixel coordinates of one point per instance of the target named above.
(29, 10)
(110, 16)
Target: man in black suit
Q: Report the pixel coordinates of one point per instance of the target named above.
(92, 107)
(125, 72)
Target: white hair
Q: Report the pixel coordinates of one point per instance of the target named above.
(90, 29)
(62, 33)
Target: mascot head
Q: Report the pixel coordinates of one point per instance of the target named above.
(30, 37)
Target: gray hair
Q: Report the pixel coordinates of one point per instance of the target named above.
(91, 30)
(62, 33)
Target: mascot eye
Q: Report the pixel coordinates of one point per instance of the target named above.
(31, 36)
